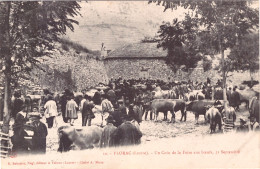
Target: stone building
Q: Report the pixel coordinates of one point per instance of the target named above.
(145, 60)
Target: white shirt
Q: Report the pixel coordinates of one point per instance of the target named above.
(51, 108)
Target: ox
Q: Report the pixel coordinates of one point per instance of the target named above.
(213, 116)
(163, 105)
(180, 106)
(199, 107)
(83, 138)
(246, 95)
(128, 133)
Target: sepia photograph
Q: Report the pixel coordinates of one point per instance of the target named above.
(129, 84)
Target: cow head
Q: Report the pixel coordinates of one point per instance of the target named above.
(64, 140)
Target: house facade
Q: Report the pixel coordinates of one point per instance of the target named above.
(145, 60)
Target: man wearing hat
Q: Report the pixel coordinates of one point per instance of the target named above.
(40, 133)
(106, 140)
(87, 113)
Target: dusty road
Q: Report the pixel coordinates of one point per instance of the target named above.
(153, 131)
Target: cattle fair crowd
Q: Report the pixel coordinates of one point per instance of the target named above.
(123, 103)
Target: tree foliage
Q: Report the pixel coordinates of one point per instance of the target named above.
(34, 27)
(245, 55)
(210, 27)
(181, 41)
(29, 30)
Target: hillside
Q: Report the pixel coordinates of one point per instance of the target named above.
(74, 68)
(118, 22)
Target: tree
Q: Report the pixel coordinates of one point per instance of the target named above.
(29, 30)
(245, 55)
(181, 41)
(222, 25)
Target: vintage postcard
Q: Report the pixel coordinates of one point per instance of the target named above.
(129, 84)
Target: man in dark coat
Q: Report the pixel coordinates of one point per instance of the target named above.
(235, 99)
(17, 104)
(87, 113)
(40, 133)
(229, 92)
(97, 98)
(63, 101)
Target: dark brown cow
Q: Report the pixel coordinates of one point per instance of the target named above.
(180, 106)
(199, 107)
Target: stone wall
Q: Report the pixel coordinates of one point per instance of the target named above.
(156, 69)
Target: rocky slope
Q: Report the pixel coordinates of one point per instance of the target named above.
(72, 69)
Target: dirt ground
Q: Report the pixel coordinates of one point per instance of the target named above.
(164, 145)
(152, 131)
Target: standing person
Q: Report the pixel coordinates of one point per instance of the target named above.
(119, 114)
(17, 104)
(147, 105)
(112, 96)
(18, 140)
(71, 110)
(87, 113)
(97, 97)
(63, 101)
(51, 111)
(40, 133)
(229, 92)
(235, 99)
(208, 81)
(107, 107)
(82, 103)
(106, 140)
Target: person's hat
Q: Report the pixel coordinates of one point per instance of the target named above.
(242, 121)
(110, 119)
(35, 114)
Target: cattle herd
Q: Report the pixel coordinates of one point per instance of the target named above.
(133, 100)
